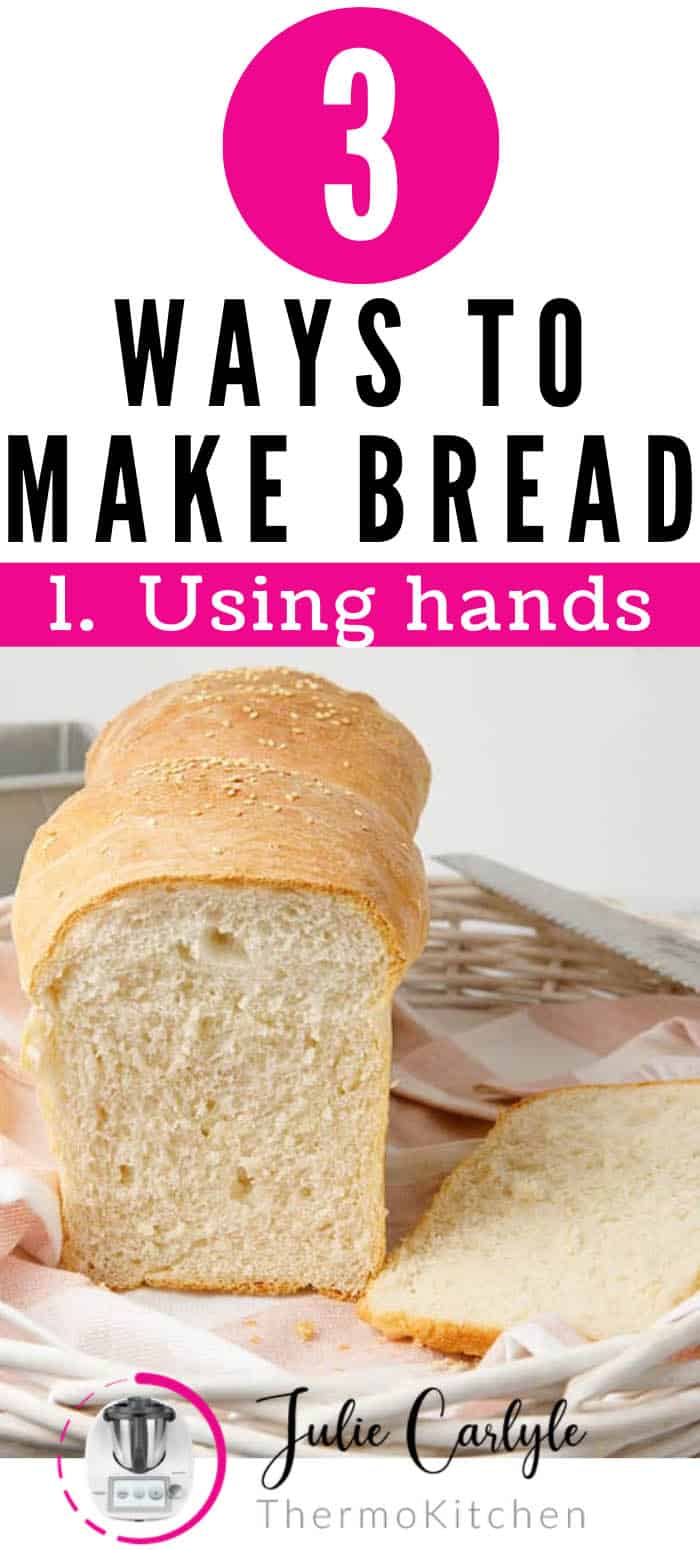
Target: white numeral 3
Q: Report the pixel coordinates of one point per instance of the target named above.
(366, 141)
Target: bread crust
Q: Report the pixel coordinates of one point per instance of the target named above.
(219, 822)
(297, 721)
(229, 1288)
(469, 1339)
(260, 778)
(249, 1288)
(436, 1334)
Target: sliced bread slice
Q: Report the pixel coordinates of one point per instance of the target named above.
(583, 1202)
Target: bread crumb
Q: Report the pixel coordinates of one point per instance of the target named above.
(306, 1331)
(249, 1321)
(255, 1340)
(343, 1347)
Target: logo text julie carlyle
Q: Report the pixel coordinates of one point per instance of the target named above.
(347, 1430)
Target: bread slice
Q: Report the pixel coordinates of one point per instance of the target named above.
(211, 948)
(583, 1202)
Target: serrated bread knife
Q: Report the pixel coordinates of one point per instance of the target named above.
(669, 952)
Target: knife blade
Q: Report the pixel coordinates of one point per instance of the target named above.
(669, 951)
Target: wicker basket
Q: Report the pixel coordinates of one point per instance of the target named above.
(484, 951)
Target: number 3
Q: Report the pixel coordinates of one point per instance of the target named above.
(366, 141)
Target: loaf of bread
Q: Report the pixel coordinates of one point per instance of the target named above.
(584, 1203)
(210, 934)
(296, 721)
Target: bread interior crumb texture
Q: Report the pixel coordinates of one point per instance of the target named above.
(584, 1203)
(209, 1059)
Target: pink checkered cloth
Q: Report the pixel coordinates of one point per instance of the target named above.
(453, 1074)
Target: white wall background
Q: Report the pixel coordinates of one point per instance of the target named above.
(580, 765)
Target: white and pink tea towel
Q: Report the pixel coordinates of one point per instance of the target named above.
(453, 1075)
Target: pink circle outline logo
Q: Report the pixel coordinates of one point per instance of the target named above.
(361, 145)
(158, 1380)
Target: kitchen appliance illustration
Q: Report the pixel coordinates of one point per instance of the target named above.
(139, 1459)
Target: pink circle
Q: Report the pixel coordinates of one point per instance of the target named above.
(283, 145)
(156, 1380)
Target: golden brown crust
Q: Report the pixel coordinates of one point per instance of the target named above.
(296, 721)
(249, 1288)
(253, 777)
(216, 821)
(437, 1334)
(467, 1339)
(229, 1288)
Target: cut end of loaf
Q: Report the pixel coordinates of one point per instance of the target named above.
(583, 1203)
(213, 1068)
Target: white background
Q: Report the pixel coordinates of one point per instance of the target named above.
(640, 1502)
(580, 765)
(112, 170)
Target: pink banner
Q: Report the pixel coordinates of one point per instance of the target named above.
(349, 605)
